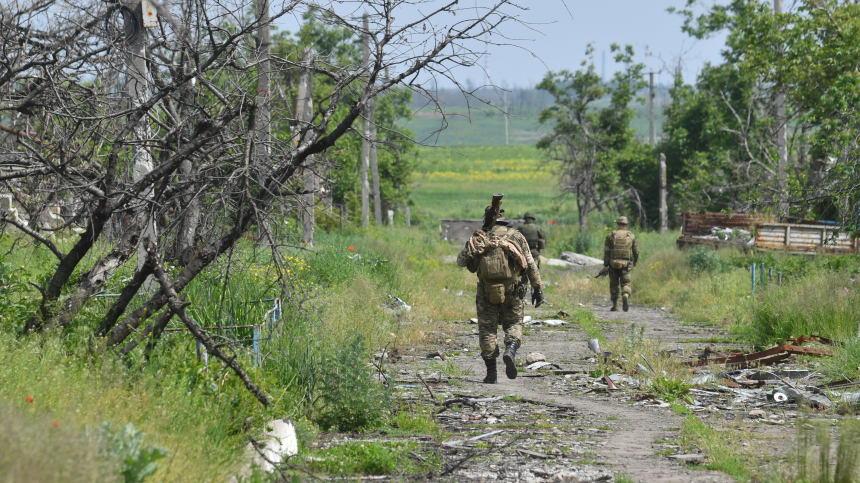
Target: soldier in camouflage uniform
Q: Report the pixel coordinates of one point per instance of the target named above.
(499, 257)
(534, 235)
(620, 254)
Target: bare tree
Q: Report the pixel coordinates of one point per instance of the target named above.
(72, 133)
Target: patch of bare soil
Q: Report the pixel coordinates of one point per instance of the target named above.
(554, 424)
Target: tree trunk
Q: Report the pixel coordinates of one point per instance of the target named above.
(374, 167)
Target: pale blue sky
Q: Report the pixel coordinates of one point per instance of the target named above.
(564, 31)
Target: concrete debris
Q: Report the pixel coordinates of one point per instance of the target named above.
(473, 320)
(757, 414)
(540, 364)
(594, 345)
(278, 443)
(581, 260)
(535, 357)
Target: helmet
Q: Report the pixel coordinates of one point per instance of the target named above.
(528, 215)
(622, 220)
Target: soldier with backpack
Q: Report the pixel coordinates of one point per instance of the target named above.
(534, 235)
(499, 254)
(620, 255)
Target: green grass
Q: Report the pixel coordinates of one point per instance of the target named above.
(723, 447)
(367, 458)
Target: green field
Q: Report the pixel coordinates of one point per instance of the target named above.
(487, 128)
(458, 182)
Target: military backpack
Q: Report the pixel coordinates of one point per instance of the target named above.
(494, 269)
(621, 252)
(530, 233)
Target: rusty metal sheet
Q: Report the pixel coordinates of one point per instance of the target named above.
(782, 351)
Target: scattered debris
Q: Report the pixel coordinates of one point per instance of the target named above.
(580, 260)
(436, 354)
(535, 357)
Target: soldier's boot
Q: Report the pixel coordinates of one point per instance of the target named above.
(492, 375)
(510, 358)
(624, 304)
(614, 305)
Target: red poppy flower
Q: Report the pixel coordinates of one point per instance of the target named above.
(352, 249)
(551, 222)
(30, 399)
(56, 424)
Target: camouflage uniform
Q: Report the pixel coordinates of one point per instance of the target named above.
(620, 276)
(534, 235)
(508, 313)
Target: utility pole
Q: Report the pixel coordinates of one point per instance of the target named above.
(652, 138)
(305, 113)
(781, 139)
(365, 145)
(664, 192)
(137, 75)
(506, 118)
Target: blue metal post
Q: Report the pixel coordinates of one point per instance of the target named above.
(761, 277)
(752, 271)
(257, 346)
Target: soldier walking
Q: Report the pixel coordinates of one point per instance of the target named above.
(620, 255)
(499, 254)
(534, 235)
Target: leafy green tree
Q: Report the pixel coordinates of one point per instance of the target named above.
(594, 146)
(720, 134)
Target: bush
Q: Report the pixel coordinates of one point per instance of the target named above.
(137, 462)
(704, 259)
(352, 399)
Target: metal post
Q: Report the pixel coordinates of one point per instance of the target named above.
(408, 217)
(770, 275)
(257, 358)
(761, 276)
(752, 271)
(779, 279)
(390, 217)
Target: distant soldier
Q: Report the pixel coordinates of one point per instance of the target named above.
(620, 254)
(499, 255)
(533, 234)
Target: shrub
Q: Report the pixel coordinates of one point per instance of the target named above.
(584, 242)
(704, 259)
(352, 399)
(137, 462)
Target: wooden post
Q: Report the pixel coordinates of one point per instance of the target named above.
(305, 112)
(365, 145)
(341, 219)
(664, 193)
(781, 140)
(374, 167)
(408, 217)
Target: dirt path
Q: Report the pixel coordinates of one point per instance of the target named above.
(576, 437)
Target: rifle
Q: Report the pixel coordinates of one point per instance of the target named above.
(602, 272)
(491, 214)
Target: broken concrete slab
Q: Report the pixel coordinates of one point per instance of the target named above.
(535, 357)
(580, 260)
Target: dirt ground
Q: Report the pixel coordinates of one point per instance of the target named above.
(555, 426)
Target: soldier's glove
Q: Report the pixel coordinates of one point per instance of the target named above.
(537, 297)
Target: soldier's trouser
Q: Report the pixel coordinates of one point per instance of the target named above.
(619, 276)
(508, 313)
